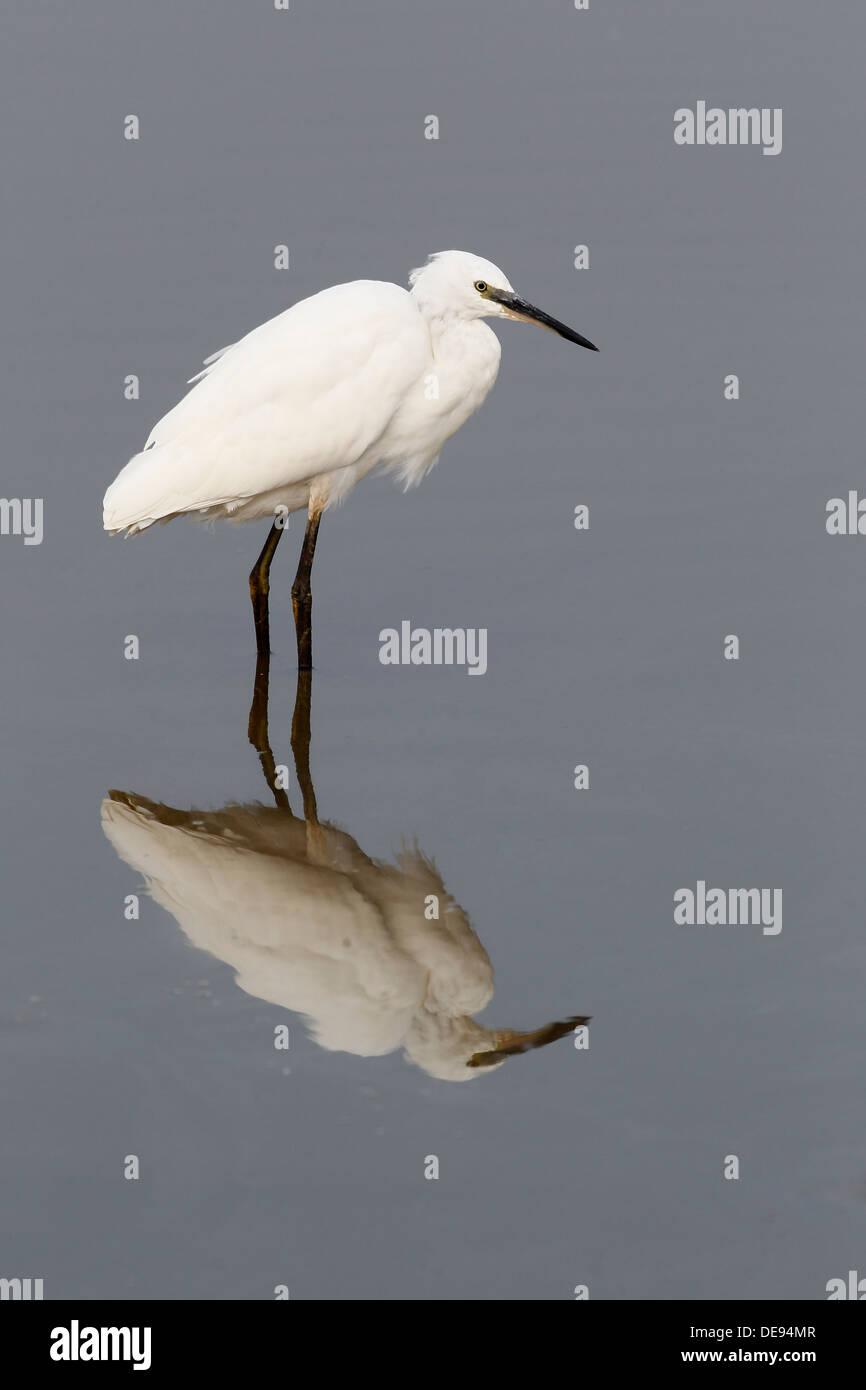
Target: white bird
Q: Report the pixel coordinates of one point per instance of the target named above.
(361, 376)
(310, 923)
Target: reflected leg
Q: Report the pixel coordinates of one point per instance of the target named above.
(301, 745)
(257, 728)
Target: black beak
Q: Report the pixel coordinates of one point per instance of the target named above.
(518, 308)
(524, 1042)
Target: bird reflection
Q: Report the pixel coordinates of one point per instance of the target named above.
(377, 956)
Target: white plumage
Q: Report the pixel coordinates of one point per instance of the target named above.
(361, 375)
(312, 924)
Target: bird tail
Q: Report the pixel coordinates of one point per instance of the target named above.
(133, 502)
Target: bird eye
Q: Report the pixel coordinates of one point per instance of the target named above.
(481, 286)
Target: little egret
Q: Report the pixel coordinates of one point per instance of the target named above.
(308, 921)
(292, 416)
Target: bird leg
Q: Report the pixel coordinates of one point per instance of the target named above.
(259, 587)
(302, 598)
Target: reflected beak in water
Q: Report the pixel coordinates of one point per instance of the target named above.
(509, 1043)
(518, 308)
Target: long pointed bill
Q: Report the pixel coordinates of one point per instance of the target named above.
(519, 309)
(511, 1044)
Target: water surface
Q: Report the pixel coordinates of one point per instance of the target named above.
(600, 1167)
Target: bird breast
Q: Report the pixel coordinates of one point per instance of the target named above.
(462, 367)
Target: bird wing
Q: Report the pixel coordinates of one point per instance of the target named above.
(207, 364)
(306, 393)
(299, 935)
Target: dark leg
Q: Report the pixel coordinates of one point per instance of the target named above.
(259, 586)
(301, 744)
(257, 730)
(302, 598)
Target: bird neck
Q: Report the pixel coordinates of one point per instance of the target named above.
(456, 334)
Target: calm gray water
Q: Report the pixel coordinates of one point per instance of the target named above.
(601, 1167)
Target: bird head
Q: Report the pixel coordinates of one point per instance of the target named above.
(459, 285)
(456, 1048)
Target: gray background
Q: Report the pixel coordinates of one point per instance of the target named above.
(707, 517)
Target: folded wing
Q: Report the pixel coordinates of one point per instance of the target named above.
(310, 392)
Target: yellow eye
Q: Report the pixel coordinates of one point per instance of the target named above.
(481, 286)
